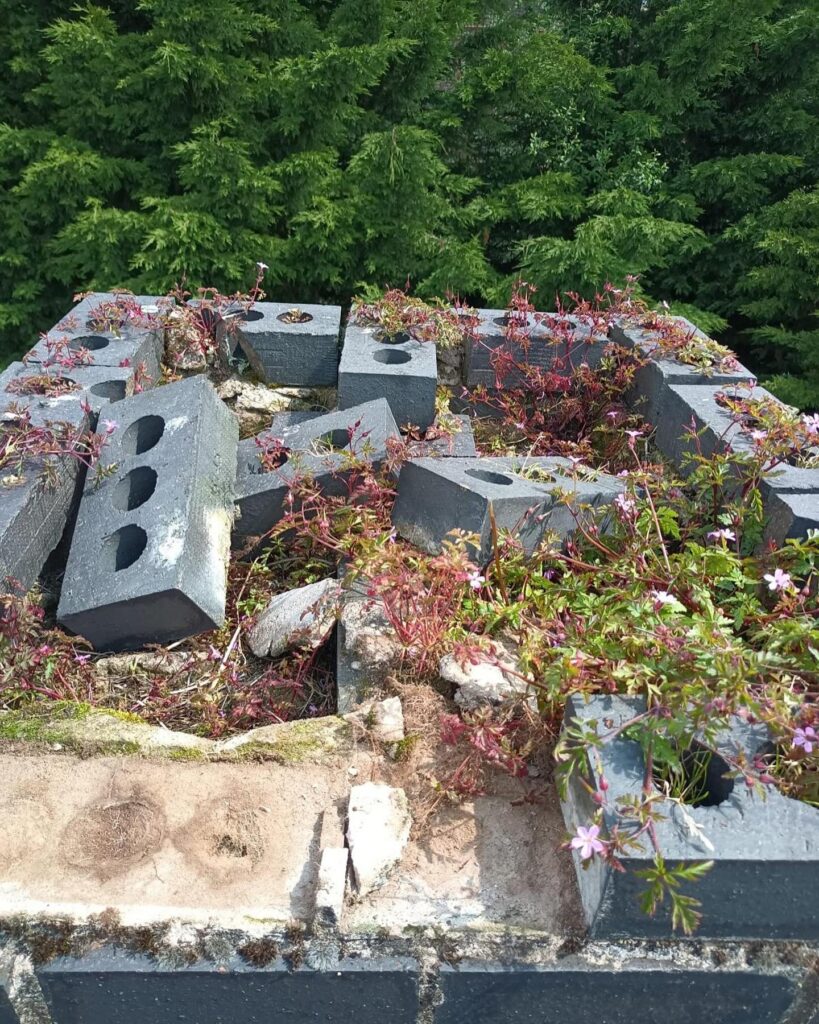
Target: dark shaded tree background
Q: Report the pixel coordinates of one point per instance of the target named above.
(457, 143)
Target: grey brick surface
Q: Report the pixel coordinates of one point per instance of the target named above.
(765, 851)
(405, 373)
(285, 353)
(112, 988)
(99, 386)
(436, 496)
(260, 496)
(649, 392)
(459, 445)
(575, 993)
(34, 511)
(148, 558)
(543, 351)
(7, 1014)
(790, 493)
(131, 345)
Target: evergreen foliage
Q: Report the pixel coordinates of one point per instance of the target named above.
(455, 143)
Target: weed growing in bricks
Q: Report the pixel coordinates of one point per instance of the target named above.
(22, 443)
(396, 314)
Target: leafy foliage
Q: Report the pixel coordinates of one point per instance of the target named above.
(460, 143)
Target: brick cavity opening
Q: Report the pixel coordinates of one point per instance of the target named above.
(488, 477)
(122, 548)
(113, 390)
(391, 357)
(134, 489)
(93, 342)
(142, 435)
(701, 777)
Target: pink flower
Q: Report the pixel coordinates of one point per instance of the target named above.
(779, 580)
(476, 581)
(722, 535)
(110, 426)
(82, 659)
(759, 435)
(812, 424)
(625, 506)
(662, 597)
(586, 841)
(806, 738)
(262, 266)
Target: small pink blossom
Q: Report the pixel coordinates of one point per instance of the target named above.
(722, 534)
(759, 435)
(625, 506)
(476, 581)
(778, 580)
(812, 424)
(262, 266)
(586, 841)
(110, 426)
(806, 738)
(662, 597)
(82, 659)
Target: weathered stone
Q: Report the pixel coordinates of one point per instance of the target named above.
(288, 344)
(297, 618)
(332, 883)
(405, 373)
(319, 447)
(255, 405)
(96, 386)
(148, 556)
(381, 719)
(577, 992)
(367, 647)
(765, 850)
(491, 679)
(378, 828)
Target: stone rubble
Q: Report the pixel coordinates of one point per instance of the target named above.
(297, 618)
(378, 829)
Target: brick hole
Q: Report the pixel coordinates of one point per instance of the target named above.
(134, 489)
(505, 321)
(700, 779)
(93, 342)
(333, 440)
(488, 477)
(113, 390)
(142, 435)
(124, 547)
(294, 316)
(249, 314)
(391, 358)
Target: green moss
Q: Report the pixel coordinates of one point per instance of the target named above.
(42, 726)
(296, 742)
(186, 754)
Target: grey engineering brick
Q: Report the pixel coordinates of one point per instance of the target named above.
(405, 373)
(458, 445)
(437, 496)
(304, 352)
(129, 345)
(315, 446)
(99, 386)
(575, 992)
(765, 850)
(35, 505)
(148, 558)
(543, 352)
(790, 493)
(649, 391)
(110, 987)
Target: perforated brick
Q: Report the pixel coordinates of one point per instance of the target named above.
(405, 373)
(134, 346)
(765, 849)
(36, 501)
(148, 557)
(542, 351)
(98, 386)
(290, 344)
(315, 446)
(437, 496)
